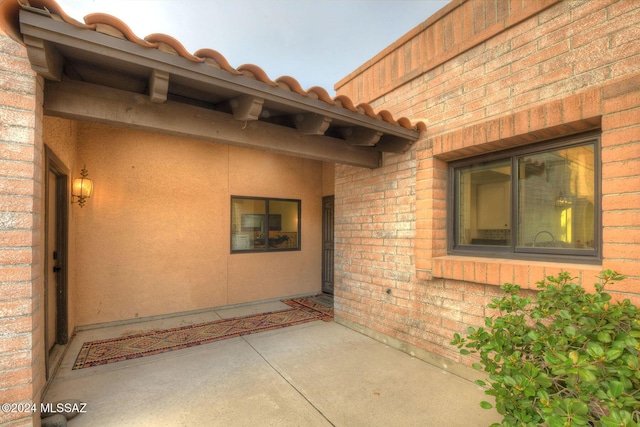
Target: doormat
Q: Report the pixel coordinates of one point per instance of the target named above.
(321, 304)
(101, 352)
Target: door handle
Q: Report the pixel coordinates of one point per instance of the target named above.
(57, 269)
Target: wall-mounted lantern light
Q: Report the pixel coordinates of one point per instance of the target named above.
(82, 188)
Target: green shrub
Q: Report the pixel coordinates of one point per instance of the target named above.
(569, 358)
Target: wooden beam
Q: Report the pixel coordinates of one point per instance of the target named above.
(246, 107)
(87, 102)
(312, 124)
(44, 57)
(158, 86)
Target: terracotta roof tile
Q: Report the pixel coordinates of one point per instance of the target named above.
(170, 45)
(289, 83)
(113, 26)
(320, 94)
(404, 122)
(255, 72)
(366, 109)
(103, 22)
(216, 59)
(55, 8)
(386, 116)
(345, 102)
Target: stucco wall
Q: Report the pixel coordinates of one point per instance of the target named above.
(542, 69)
(328, 179)
(154, 238)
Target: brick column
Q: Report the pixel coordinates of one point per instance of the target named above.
(22, 373)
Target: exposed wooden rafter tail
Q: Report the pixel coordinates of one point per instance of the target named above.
(361, 136)
(158, 86)
(246, 107)
(44, 57)
(312, 124)
(391, 144)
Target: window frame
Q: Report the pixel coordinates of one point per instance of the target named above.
(513, 251)
(267, 200)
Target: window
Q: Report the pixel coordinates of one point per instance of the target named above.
(259, 224)
(529, 202)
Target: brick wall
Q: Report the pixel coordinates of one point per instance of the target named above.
(488, 76)
(22, 373)
(453, 30)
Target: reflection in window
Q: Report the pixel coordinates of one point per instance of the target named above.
(259, 224)
(556, 193)
(533, 200)
(484, 201)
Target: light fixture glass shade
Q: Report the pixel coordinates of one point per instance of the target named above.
(82, 188)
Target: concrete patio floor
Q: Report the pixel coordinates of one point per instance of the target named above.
(314, 374)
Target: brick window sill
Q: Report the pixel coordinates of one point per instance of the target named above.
(496, 271)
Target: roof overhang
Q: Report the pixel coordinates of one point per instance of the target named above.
(98, 77)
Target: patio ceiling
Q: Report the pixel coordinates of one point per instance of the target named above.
(100, 71)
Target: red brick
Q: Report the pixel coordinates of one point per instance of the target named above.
(621, 153)
(15, 308)
(507, 127)
(621, 218)
(16, 204)
(614, 185)
(15, 273)
(19, 101)
(624, 235)
(590, 103)
(19, 393)
(25, 119)
(16, 65)
(17, 419)
(536, 273)
(521, 122)
(621, 251)
(15, 343)
(15, 325)
(16, 256)
(622, 103)
(618, 202)
(493, 274)
(623, 266)
(9, 185)
(17, 376)
(506, 273)
(627, 286)
(521, 275)
(15, 291)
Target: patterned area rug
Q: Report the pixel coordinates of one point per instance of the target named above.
(101, 352)
(319, 305)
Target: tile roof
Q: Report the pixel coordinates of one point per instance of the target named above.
(108, 24)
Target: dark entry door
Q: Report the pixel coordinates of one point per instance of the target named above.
(327, 244)
(55, 278)
(51, 278)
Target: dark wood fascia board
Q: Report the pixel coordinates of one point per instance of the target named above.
(93, 43)
(88, 102)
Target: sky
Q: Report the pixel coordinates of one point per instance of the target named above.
(318, 42)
